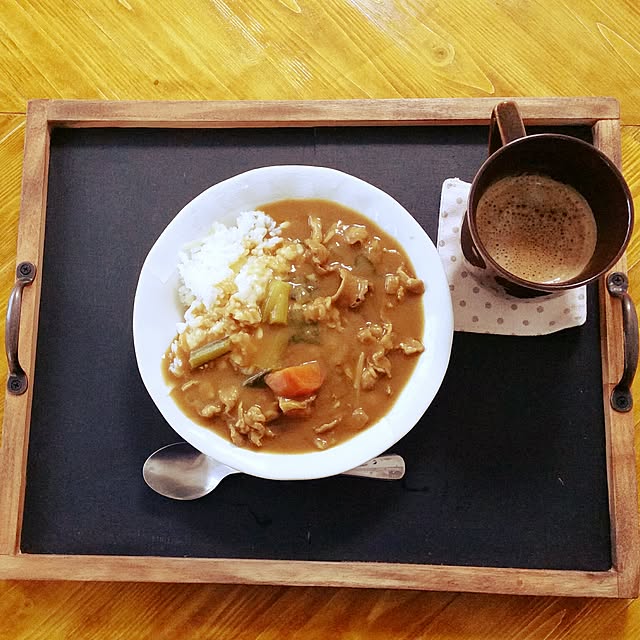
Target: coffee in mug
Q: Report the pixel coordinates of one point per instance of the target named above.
(537, 228)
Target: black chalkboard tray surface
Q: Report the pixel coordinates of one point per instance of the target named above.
(520, 477)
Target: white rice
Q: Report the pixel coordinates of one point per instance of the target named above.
(227, 254)
(224, 276)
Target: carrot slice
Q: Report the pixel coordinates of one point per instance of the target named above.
(299, 380)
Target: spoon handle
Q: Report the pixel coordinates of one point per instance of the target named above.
(390, 467)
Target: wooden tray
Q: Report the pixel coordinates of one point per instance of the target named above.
(24, 468)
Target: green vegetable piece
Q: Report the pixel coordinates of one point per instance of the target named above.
(307, 333)
(272, 347)
(209, 352)
(276, 306)
(257, 379)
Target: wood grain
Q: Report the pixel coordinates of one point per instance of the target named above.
(15, 438)
(279, 113)
(11, 145)
(623, 494)
(307, 49)
(609, 584)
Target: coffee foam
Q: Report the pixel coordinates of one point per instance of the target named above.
(537, 228)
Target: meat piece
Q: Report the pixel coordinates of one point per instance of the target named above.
(359, 418)
(296, 407)
(319, 255)
(210, 410)
(256, 435)
(374, 251)
(251, 423)
(376, 364)
(333, 229)
(324, 443)
(229, 397)
(352, 289)
(237, 438)
(318, 252)
(369, 377)
(387, 338)
(377, 333)
(411, 284)
(381, 363)
(391, 284)
(321, 310)
(365, 335)
(327, 426)
(189, 384)
(317, 309)
(370, 333)
(369, 370)
(254, 416)
(399, 283)
(315, 224)
(410, 346)
(355, 233)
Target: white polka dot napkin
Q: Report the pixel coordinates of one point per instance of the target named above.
(477, 309)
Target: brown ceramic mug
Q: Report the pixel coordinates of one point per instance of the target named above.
(560, 160)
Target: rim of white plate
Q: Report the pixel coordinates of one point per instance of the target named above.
(157, 309)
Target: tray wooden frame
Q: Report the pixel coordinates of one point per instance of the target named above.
(602, 114)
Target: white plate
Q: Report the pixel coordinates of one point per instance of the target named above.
(157, 309)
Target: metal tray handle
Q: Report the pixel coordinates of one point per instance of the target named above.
(17, 382)
(617, 285)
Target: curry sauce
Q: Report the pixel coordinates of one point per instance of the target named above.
(349, 309)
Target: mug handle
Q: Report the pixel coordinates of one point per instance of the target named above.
(506, 125)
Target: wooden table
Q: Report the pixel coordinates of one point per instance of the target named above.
(302, 49)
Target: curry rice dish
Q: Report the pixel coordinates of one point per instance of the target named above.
(302, 324)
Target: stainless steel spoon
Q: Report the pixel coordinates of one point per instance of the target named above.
(181, 472)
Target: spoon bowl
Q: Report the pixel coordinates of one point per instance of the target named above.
(181, 472)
